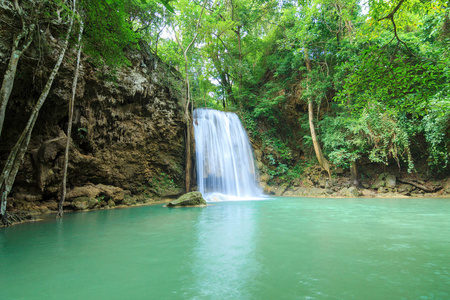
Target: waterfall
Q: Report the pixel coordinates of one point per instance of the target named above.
(225, 166)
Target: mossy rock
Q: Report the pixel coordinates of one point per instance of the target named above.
(189, 199)
(82, 203)
(378, 184)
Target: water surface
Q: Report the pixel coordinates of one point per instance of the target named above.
(281, 248)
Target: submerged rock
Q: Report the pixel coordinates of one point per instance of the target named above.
(189, 199)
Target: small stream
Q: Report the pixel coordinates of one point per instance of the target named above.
(280, 248)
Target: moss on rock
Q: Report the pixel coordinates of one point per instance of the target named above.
(189, 199)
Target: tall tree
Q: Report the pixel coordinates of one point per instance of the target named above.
(69, 125)
(323, 162)
(188, 106)
(20, 44)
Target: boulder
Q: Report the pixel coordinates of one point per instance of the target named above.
(302, 191)
(189, 199)
(391, 181)
(315, 192)
(368, 193)
(405, 188)
(382, 190)
(82, 203)
(383, 176)
(269, 190)
(281, 189)
(276, 190)
(446, 189)
(351, 192)
(377, 184)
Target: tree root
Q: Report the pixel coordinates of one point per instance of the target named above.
(5, 220)
(10, 219)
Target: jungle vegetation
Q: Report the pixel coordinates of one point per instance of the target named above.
(367, 80)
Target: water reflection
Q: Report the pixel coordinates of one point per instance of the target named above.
(225, 263)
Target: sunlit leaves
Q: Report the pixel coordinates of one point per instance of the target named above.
(112, 27)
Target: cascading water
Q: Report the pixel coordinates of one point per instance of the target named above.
(225, 166)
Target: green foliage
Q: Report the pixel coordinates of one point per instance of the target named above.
(436, 128)
(163, 182)
(374, 135)
(374, 92)
(114, 26)
(108, 31)
(401, 83)
(82, 133)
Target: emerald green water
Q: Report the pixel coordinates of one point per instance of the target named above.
(281, 248)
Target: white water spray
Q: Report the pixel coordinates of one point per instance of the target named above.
(225, 166)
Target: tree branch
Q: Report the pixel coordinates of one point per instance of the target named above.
(392, 13)
(196, 28)
(390, 16)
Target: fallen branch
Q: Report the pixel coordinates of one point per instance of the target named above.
(421, 186)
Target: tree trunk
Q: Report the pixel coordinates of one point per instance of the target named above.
(187, 118)
(187, 114)
(17, 154)
(10, 74)
(224, 81)
(238, 32)
(69, 127)
(317, 149)
(354, 174)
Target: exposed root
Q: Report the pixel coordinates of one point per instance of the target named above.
(5, 220)
(11, 219)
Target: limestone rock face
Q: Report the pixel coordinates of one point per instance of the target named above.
(189, 199)
(127, 132)
(99, 191)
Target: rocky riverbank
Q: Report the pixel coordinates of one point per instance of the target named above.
(100, 196)
(393, 184)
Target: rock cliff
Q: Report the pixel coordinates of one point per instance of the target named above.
(128, 130)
